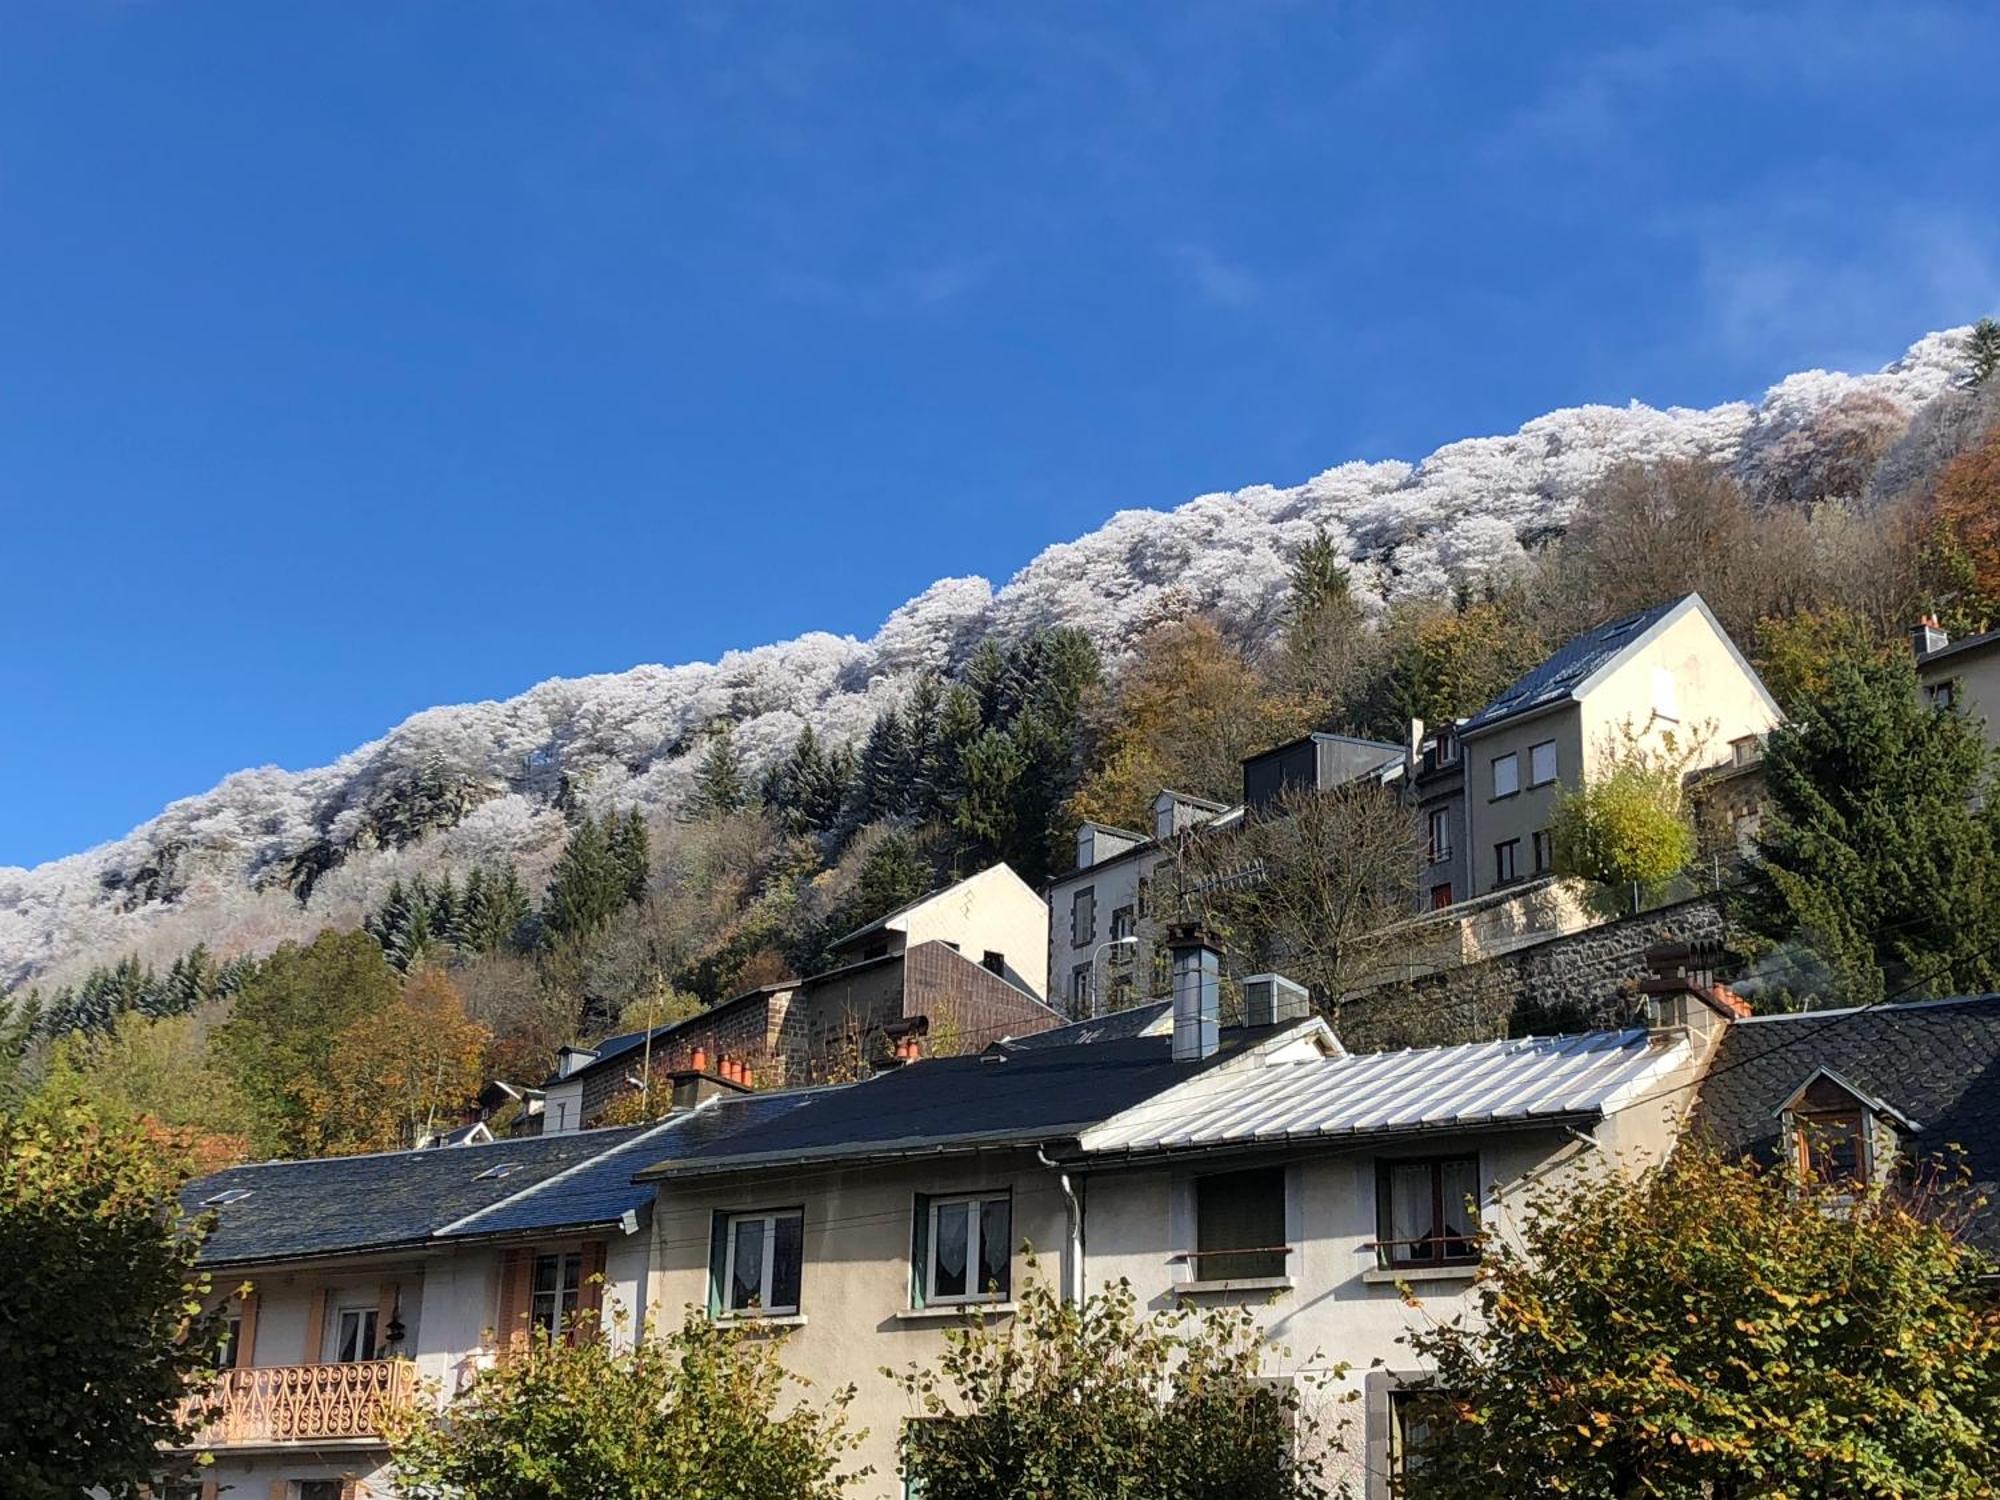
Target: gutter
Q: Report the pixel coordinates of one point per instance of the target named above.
(1073, 1226)
(1333, 1143)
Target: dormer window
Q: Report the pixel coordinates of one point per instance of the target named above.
(1839, 1135)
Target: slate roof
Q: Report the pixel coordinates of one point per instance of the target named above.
(1474, 1085)
(1936, 1061)
(1560, 674)
(1119, 1025)
(1019, 1093)
(347, 1204)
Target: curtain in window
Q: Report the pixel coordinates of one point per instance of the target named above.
(951, 1250)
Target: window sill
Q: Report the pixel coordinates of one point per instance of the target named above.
(1234, 1284)
(754, 1321)
(945, 1312)
(1390, 1275)
(1502, 797)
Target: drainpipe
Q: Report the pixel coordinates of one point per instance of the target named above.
(1072, 1279)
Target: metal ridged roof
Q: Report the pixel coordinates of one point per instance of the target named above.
(1425, 1089)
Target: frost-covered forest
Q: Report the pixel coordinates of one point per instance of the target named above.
(271, 855)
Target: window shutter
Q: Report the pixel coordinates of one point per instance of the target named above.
(718, 1264)
(281, 1489)
(516, 1267)
(350, 1489)
(246, 1331)
(920, 1250)
(315, 1327)
(210, 1489)
(385, 1312)
(590, 1296)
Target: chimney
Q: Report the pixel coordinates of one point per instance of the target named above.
(1197, 991)
(1681, 992)
(1273, 1000)
(1086, 846)
(1929, 636)
(1413, 749)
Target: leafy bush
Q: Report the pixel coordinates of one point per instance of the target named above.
(1626, 827)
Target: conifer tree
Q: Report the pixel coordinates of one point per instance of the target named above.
(588, 883)
(1983, 344)
(882, 788)
(631, 850)
(719, 787)
(1882, 846)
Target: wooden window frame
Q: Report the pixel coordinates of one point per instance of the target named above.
(1392, 1255)
(1808, 1124)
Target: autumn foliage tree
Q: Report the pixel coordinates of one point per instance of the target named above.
(397, 1074)
(101, 1328)
(1705, 1329)
(1967, 507)
(704, 1413)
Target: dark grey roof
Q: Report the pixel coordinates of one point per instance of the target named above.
(1967, 644)
(1119, 1025)
(1011, 1094)
(1560, 674)
(1936, 1061)
(347, 1204)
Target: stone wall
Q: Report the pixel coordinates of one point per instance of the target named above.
(1574, 981)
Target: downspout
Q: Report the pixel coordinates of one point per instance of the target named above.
(1073, 1249)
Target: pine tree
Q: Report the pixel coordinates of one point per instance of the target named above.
(447, 912)
(587, 885)
(719, 787)
(882, 788)
(923, 724)
(1983, 344)
(1882, 848)
(631, 851)
(808, 789)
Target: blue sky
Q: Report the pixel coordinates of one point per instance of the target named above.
(360, 357)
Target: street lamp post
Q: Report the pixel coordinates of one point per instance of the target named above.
(1097, 953)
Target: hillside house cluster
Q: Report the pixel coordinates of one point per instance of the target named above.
(1260, 1165)
(1483, 789)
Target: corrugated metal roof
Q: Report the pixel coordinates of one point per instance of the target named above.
(1428, 1088)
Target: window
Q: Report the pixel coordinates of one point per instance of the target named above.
(1542, 763)
(1426, 1212)
(1544, 851)
(1240, 1225)
(1506, 774)
(1118, 992)
(1079, 988)
(177, 1489)
(1833, 1147)
(1441, 896)
(1123, 924)
(965, 1249)
(1415, 1420)
(764, 1253)
(354, 1335)
(1746, 750)
(225, 1198)
(1506, 861)
(553, 1295)
(1942, 695)
(1083, 916)
(319, 1489)
(1437, 823)
(994, 963)
(232, 1342)
(1447, 748)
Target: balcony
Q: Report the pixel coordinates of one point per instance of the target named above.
(273, 1404)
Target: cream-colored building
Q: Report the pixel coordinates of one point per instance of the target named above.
(1256, 1166)
(1666, 676)
(1962, 675)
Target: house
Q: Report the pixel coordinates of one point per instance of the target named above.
(1258, 1166)
(353, 1284)
(1669, 670)
(1963, 675)
(1864, 1094)
(963, 965)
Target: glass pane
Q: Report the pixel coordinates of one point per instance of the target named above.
(996, 1245)
(1410, 1211)
(350, 1334)
(1236, 1212)
(787, 1253)
(1460, 1183)
(747, 1272)
(572, 1272)
(546, 1267)
(948, 1251)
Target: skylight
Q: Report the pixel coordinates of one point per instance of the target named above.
(226, 1197)
(498, 1170)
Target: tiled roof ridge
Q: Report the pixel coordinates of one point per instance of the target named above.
(591, 1161)
(496, 1144)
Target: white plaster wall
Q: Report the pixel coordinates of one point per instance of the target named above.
(994, 911)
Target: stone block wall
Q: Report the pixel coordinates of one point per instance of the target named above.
(1575, 981)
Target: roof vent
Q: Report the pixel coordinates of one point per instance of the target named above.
(1272, 999)
(498, 1170)
(226, 1197)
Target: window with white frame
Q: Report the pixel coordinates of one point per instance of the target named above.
(1506, 774)
(1083, 916)
(1416, 1418)
(1506, 861)
(354, 1335)
(232, 1342)
(553, 1293)
(1438, 840)
(1542, 763)
(763, 1255)
(1942, 695)
(965, 1249)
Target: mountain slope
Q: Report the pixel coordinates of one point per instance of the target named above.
(478, 782)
